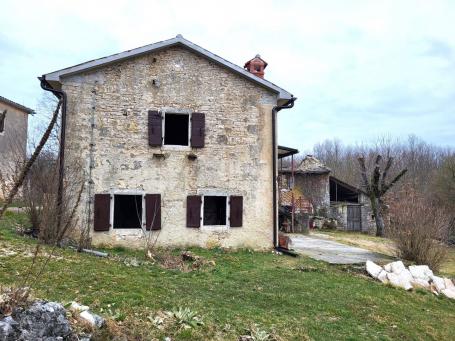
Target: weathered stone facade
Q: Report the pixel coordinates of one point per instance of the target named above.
(108, 107)
(315, 187)
(13, 141)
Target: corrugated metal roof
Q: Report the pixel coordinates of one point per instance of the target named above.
(177, 41)
(16, 105)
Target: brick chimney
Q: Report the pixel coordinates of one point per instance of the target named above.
(256, 66)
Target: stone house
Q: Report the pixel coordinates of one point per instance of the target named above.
(174, 141)
(13, 140)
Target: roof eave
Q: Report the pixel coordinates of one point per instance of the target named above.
(54, 78)
(17, 105)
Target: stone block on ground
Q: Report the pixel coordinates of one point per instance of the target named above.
(398, 281)
(438, 283)
(395, 267)
(420, 283)
(449, 283)
(373, 269)
(383, 277)
(421, 271)
(78, 307)
(93, 319)
(450, 292)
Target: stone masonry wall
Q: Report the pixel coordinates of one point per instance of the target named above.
(236, 159)
(315, 187)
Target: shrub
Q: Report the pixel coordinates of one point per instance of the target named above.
(419, 229)
(50, 222)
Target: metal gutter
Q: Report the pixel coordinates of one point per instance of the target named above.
(61, 95)
(289, 104)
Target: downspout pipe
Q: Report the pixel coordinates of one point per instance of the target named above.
(288, 105)
(61, 95)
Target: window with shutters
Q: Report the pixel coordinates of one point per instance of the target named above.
(214, 211)
(176, 129)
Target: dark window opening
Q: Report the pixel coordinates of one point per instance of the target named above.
(127, 211)
(176, 129)
(214, 210)
(2, 121)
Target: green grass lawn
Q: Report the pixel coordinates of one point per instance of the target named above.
(243, 289)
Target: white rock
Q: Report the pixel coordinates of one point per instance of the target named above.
(383, 277)
(420, 283)
(438, 283)
(78, 307)
(93, 319)
(450, 293)
(399, 281)
(406, 275)
(388, 267)
(448, 283)
(420, 271)
(373, 269)
(428, 272)
(397, 267)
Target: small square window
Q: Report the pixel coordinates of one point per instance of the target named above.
(214, 210)
(176, 129)
(127, 211)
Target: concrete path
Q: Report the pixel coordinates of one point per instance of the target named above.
(334, 252)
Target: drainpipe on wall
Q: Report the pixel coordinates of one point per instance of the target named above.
(61, 95)
(289, 104)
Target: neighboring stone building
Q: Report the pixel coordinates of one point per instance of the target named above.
(311, 178)
(351, 207)
(13, 140)
(329, 196)
(175, 140)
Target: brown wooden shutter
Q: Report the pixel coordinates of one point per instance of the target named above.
(197, 130)
(153, 211)
(193, 211)
(102, 212)
(236, 211)
(155, 128)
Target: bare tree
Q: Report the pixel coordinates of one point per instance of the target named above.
(26, 168)
(376, 187)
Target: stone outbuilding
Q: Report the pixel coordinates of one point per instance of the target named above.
(13, 140)
(350, 206)
(328, 196)
(174, 141)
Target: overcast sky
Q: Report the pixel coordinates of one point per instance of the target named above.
(360, 69)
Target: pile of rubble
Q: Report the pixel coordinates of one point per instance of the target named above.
(42, 320)
(416, 276)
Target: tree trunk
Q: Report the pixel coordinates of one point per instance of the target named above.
(379, 219)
